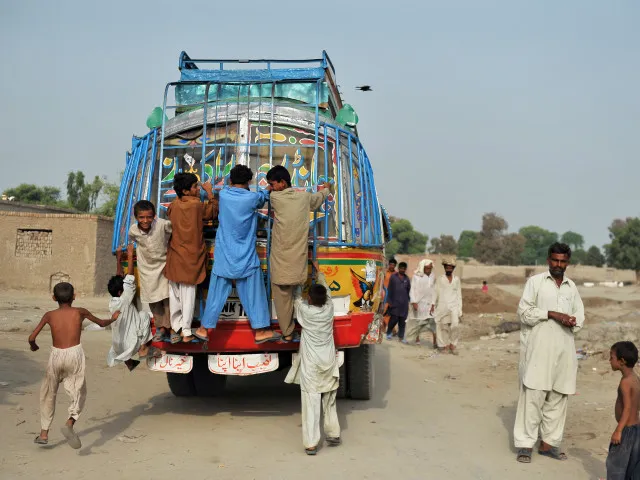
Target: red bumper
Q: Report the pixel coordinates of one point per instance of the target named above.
(237, 337)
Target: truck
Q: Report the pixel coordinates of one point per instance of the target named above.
(261, 113)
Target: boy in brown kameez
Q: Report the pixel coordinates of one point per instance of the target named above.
(187, 253)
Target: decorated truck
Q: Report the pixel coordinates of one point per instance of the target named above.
(262, 113)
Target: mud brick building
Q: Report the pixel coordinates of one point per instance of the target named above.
(41, 246)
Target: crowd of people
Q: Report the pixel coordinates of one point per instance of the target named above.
(423, 304)
(171, 261)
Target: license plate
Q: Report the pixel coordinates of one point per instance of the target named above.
(171, 363)
(233, 310)
(242, 365)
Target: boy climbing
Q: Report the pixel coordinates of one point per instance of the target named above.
(187, 252)
(66, 362)
(152, 235)
(289, 252)
(236, 259)
(132, 332)
(316, 367)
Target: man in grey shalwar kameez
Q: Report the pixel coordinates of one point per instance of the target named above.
(316, 367)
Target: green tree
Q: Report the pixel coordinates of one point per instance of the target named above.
(594, 257)
(538, 240)
(445, 244)
(578, 256)
(489, 239)
(108, 207)
(573, 239)
(29, 193)
(466, 243)
(624, 249)
(512, 248)
(80, 195)
(405, 238)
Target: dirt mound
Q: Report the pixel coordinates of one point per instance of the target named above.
(597, 302)
(497, 279)
(495, 301)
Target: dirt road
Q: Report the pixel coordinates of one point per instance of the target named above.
(440, 417)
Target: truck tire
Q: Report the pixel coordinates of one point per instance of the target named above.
(207, 384)
(181, 384)
(360, 372)
(343, 387)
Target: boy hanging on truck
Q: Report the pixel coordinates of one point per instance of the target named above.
(289, 251)
(236, 259)
(187, 252)
(152, 235)
(316, 367)
(131, 334)
(66, 361)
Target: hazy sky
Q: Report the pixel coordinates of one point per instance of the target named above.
(527, 108)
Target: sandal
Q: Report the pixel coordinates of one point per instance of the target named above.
(175, 338)
(334, 441)
(273, 338)
(40, 441)
(553, 452)
(158, 337)
(204, 338)
(524, 455)
(311, 451)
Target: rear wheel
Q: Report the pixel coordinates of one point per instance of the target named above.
(207, 384)
(359, 363)
(181, 384)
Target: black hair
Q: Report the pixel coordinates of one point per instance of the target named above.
(318, 295)
(116, 285)
(561, 248)
(183, 181)
(393, 260)
(143, 206)
(402, 264)
(240, 174)
(484, 282)
(627, 352)
(278, 174)
(63, 292)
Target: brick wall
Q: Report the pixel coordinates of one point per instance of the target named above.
(38, 249)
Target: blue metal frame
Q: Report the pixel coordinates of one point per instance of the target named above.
(371, 230)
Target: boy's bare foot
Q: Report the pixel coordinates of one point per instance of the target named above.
(188, 338)
(144, 351)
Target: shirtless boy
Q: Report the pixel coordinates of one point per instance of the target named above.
(66, 362)
(623, 461)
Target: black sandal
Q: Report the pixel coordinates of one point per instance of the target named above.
(524, 455)
(555, 453)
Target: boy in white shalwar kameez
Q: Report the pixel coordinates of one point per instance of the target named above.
(423, 302)
(316, 367)
(132, 331)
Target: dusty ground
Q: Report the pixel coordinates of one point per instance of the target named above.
(432, 416)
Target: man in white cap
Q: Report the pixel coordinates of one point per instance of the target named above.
(423, 301)
(448, 308)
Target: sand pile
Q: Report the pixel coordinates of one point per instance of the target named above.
(597, 302)
(495, 301)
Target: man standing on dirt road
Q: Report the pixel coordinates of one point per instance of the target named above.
(448, 308)
(397, 301)
(550, 312)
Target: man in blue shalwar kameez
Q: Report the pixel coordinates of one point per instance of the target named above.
(235, 258)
